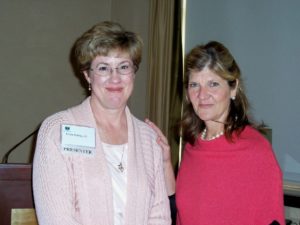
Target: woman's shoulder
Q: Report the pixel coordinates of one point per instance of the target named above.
(254, 140)
(261, 148)
(253, 135)
(50, 127)
(60, 117)
(56, 118)
(144, 128)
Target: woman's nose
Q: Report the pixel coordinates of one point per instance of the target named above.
(203, 93)
(115, 76)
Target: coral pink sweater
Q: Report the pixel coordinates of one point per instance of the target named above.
(222, 183)
(72, 189)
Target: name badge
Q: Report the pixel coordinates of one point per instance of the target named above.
(78, 139)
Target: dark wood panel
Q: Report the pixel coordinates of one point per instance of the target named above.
(15, 189)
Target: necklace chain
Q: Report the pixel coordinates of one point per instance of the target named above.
(217, 135)
(120, 165)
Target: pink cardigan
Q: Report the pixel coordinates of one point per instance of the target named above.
(72, 189)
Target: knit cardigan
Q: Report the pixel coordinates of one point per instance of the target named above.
(226, 183)
(73, 189)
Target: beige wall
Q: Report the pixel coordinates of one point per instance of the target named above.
(135, 17)
(36, 78)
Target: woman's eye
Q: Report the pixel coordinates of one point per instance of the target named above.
(124, 67)
(213, 84)
(193, 85)
(103, 68)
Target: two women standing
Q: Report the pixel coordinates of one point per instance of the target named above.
(96, 163)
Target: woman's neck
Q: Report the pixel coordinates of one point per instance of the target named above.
(113, 134)
(111, 124)
(213, 130)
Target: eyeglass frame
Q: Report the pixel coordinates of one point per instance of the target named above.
(111, 69)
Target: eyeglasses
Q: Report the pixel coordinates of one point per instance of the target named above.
(105, 70)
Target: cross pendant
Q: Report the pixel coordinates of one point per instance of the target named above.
(120, 167)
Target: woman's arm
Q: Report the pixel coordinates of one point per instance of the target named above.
(51, 181)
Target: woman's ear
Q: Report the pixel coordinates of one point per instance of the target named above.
(187, 99)
(86, 76)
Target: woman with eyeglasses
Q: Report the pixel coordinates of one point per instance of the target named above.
(96, 163)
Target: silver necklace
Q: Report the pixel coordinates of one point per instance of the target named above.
(120, 166)
(203, 135)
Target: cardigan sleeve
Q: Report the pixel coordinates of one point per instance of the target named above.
(160, 211)
(52, 185)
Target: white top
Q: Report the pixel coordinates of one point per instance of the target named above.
(116, 156)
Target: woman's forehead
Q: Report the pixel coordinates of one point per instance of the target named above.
(206, 72)
(112, 58)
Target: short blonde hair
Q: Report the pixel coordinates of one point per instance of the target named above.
(103, 38)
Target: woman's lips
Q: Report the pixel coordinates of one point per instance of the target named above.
(205, 106)
(114, 89)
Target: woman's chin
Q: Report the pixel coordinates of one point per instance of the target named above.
(116, 105)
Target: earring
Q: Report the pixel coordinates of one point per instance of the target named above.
(233, 98)
(90, 87)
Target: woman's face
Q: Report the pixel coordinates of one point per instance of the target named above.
(111, 89)
(210, 95)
